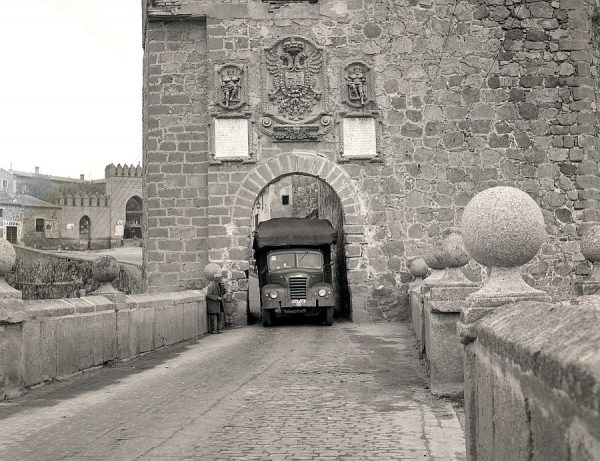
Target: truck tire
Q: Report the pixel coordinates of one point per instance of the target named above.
(267, 316)
(329, 316)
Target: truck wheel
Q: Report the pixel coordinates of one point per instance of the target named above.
(329, 316)
(267, 316)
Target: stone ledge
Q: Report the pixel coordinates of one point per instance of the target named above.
(553, 341)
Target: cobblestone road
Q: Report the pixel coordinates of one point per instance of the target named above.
(291, 392)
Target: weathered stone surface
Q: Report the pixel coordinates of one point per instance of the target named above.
(53, 338)
(534, 370)
(444, 135)
(503, 227)
(418, 268)
(105, 269)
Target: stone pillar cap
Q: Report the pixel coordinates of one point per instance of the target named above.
(418, 267)
(503, 227)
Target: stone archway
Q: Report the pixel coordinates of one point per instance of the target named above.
(85, 233)
(133, 218)
(232, 251)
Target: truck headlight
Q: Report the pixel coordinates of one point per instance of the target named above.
(273, 294)
(322, 292)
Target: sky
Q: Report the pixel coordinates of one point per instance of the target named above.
(70, 85)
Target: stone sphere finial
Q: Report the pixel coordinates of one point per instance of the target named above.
(435, 262)
(453, 252)
(8, 257)
(503, 228)
(590, 248)
(211, 270)
(433, 259)
(418, 268)
(105, 269)
(453, 255)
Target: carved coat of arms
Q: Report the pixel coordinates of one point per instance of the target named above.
(294, 69)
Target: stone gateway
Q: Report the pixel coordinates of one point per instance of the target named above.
(406, 109)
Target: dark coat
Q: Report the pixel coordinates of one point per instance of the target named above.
(213, 293)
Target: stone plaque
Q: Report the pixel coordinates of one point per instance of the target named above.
(360, 137)
(231, 138)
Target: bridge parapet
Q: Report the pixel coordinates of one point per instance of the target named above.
(443, 297)
(532, 376)
(43, 340)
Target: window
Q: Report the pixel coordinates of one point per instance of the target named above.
(303, 260)
(1, 212)
(39, 225)
(285, 199)
(4, 184)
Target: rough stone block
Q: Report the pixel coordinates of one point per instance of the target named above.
(67, 350)
(146, 329)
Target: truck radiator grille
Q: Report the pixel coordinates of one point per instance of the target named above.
(297, 287)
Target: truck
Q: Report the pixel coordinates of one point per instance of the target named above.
(293, 262)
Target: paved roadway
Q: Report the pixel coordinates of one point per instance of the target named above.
(293, 392)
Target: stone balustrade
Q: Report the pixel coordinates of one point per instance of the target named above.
(531, 367)
(443, 297)
(47, 339)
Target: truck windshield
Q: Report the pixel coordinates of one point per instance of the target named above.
(310, 260)
(281, 261)
(302, 260)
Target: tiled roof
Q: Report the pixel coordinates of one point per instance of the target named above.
(26, 201)
(27, 174)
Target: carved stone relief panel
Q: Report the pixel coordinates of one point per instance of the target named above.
(231, 87)
(294, 91)
(357, 85)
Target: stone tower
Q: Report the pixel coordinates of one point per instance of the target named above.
(405, 108)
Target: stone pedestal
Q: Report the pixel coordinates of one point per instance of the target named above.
(12, 315)
(418, 269)
(442, 306)
(415, 308)
(590, 248)
(503, 229)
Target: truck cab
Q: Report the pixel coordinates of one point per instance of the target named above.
(293, 258)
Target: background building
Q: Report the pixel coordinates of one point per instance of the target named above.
(47, 211)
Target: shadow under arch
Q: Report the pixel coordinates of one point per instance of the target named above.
(307, 164)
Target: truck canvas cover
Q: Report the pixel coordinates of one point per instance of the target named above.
(285, 232)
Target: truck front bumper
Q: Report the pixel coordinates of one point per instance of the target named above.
(299, 305)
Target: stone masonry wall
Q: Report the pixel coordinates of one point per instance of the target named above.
(470, 94)
(306, 196)
(175, 155)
